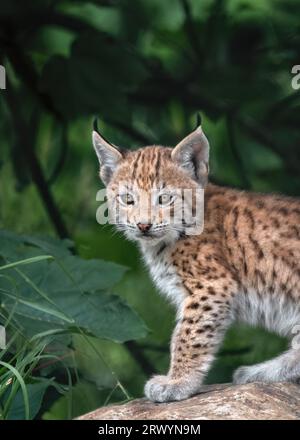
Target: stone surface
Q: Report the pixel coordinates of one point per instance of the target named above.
(258, 401)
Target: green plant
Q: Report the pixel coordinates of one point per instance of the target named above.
(45, 300)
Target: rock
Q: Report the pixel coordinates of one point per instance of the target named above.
(258, 401)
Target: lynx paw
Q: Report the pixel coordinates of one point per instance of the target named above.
(165, 389)
(246, 375)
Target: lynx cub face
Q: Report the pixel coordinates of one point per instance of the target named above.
(153, 192)
(241, 263)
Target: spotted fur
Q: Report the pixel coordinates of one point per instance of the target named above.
(243, 266)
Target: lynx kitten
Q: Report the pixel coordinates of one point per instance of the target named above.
(244, 264)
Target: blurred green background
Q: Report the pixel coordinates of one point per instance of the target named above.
(145, 68)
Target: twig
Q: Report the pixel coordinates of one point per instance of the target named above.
(62, 157)
(190, 29)
(138, 355)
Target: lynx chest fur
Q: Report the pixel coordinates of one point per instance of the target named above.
(164, 273)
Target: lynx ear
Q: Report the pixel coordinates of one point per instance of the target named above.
(192, 154)
(108, 155)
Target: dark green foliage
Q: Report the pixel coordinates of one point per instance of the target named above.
(55, 294)
(63, 293)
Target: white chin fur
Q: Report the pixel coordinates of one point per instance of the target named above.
(167, 237)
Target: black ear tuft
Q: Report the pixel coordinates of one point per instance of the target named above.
(199, 121)
(96, 129)
(95, 125)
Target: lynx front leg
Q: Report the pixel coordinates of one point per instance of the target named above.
(194, 343)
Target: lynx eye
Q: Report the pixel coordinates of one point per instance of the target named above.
(126, 199)
(165, 199)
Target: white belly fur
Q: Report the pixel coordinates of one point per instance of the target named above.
(274, 312)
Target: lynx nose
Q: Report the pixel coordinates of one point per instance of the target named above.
(144, 227)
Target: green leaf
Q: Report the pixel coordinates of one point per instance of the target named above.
(26, 261)
(89, 64)
(83, 397)
(36, 393)
(66, 293)
(50, 245)
(85, 275)
(15, 246)
(40, 308)
(101, 315)
(23, 389)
